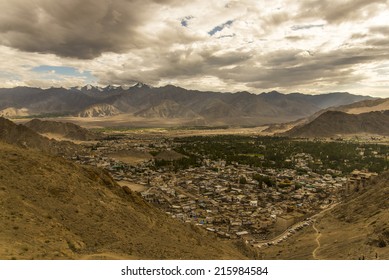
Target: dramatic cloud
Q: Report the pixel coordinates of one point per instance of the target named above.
(229, 45)
(75, 28)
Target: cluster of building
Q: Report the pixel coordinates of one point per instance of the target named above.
(236, 201)
(220, 201)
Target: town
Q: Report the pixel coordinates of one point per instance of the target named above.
(232, 199)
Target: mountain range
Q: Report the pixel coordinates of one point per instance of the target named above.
(363, 117)
(167, 103)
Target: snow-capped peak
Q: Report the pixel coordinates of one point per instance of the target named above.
(141, 85)
(110, 87)
(77, 88)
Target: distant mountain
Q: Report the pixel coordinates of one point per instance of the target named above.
(141, 85)
(365, 106)
(328, 100)
(171, 102)
(65, 130)
(27, 138)
(333, 123)
(167, 109)
(99, 110)
(45, 101)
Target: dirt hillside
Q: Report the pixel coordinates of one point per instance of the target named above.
(27, 138)
(55, 209)
(357, 228)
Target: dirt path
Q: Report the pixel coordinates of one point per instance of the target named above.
(318, 235)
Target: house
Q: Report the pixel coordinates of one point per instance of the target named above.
(253, 203)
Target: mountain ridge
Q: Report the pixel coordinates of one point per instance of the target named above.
(66, 130)
(25, 137)
(172, 102)
(333, 123)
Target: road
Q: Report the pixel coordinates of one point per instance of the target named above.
(284, 234)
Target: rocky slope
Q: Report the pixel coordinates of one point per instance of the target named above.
(167, 109)
(99, 110)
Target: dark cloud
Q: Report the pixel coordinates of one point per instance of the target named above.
(277, 69)
(382, 43)
(182, 64)
(382, 30)
(75, 28)
(192, 63)
(289, 68)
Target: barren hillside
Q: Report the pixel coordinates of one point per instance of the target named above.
(55, 209)
(25, 137)
(333, 123)
(358, 228)
(66, 130)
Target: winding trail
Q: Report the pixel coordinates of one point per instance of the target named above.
(318, 233)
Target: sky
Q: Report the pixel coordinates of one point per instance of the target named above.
(308, 46)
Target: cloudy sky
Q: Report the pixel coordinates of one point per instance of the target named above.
(310, 46)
